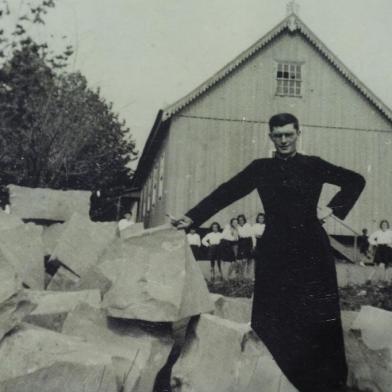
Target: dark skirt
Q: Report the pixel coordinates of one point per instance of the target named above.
(213, 252)
(245, 246)
(383, 255)
(296, 309)
(228, 250)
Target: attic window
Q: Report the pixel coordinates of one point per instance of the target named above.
(289, 79)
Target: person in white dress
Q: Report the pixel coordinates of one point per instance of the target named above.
(229, 246)
(246, 244)
(194, 242)
(212, 241)
(382, 240)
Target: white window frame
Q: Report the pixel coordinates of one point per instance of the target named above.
(289, 79)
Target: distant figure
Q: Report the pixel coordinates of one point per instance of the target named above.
(245, 244)
(382, 239)
(212, 241)
(363, 242)
(259, 226)
(126, 221)
(229, 246)
(194, 242)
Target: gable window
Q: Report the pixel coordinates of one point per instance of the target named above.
(289, 79)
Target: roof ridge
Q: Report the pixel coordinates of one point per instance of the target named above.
(293, 23)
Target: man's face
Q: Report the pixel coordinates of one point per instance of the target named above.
(285, 139)
(128, 216)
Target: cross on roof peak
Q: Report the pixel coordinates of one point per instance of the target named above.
(292, 7)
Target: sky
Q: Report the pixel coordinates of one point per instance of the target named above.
(146, 54)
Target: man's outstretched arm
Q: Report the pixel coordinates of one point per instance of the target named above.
(236, 188)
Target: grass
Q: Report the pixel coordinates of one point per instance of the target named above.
(351, 298)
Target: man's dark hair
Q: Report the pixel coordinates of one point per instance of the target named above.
(282, 119)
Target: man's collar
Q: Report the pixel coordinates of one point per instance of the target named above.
(286, 158)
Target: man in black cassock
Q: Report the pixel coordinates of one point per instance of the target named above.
(296, 309)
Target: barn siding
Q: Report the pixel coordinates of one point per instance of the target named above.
(221, 132)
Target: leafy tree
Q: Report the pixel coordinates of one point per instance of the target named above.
(54, 130)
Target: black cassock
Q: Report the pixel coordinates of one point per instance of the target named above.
(296, 309)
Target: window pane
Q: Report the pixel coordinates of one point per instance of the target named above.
(280, 74)
(286, 67)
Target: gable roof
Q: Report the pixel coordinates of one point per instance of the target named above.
(291, 24)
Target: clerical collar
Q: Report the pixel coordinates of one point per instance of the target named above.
(286, 158)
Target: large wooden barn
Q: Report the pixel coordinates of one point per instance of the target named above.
(213, 132)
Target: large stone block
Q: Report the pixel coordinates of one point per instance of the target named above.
(140, 355)
(225, 356)
(30, 350)
(232, 308)
(154, 278)
(82, 241)
(50, 237)
(53, 306)
(13, 307)
(48, 204)
(369, 350)
(64, 377)
(131, 231)
(23, 248)
(8, 221)
(64, 280)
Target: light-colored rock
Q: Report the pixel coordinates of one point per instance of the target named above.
(54, 306)
(348, 317)
(155, 278)
(369, 370)
(64, 280)
(144, 353)
(232, 308)
(50, 237)
(368, 341)
(64, 377)
(82, 241)
(131, 231)
(225, 356)
(23, 248)
(8, 221)
(48, 204)
(13, 305)
(376, 327)
(31, 349)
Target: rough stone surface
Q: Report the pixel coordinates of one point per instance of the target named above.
(30, 349)
(234, 309)
(8, 221)
(155, 278)
(64, 280)
(368, 340)
(53, 306)
(64, 377)
(82, 241)
(131, 231)
(225, 356)
(376, 327)
(50, 237)
(144, 353)
(48, 204)
(23, 248)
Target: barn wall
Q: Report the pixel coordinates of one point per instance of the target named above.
(217, 135)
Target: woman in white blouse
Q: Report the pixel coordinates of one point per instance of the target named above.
(246, 244)
(229, 246)
(382, 239)
(212, 241)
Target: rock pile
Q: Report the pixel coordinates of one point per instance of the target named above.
(82, 309)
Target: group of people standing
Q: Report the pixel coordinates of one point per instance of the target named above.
(236, 244)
